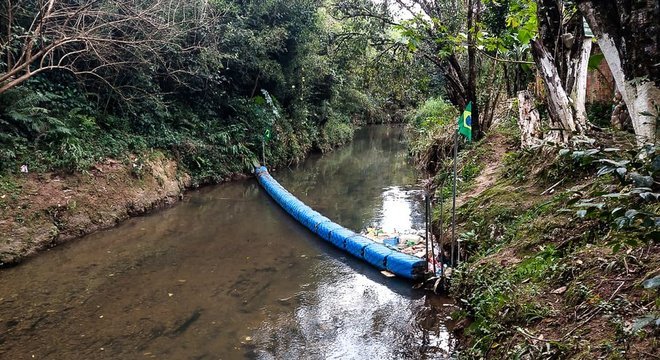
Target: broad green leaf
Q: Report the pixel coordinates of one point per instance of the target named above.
(630, 214)
(641, 180)
(621, 222)
(617, 211)
(615, 163)
(595, 60)
(642, 322)
(621, 171)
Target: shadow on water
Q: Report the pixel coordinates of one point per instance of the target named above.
(227, 274)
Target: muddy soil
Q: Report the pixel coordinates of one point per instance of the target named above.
(41, 210)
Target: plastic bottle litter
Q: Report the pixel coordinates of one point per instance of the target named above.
(411, 242)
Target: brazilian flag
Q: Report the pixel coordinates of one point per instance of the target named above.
(267, 135)
(465, 122)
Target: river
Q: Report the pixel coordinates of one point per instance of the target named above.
(227, 274)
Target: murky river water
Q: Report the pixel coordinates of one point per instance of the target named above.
(227, 274)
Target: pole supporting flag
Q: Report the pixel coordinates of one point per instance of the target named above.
(266, 138)
(465, 129)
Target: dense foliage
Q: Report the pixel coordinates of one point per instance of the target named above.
(201, 80)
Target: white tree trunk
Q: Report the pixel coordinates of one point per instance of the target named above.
(529, 120)
(627, 34)
(579, 91)
(558, 104)
(639, 94)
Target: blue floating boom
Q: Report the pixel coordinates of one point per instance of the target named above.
(376, 254)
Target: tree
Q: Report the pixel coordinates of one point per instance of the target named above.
(438, 31)
(198, 79)
(561, 53)
(93, 38)
(627, 33)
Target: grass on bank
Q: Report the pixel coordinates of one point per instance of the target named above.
(560, 273)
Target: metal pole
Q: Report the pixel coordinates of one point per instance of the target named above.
(263, 151)
(426, 223)
(429, 213)
(453, 205)
(442, 230)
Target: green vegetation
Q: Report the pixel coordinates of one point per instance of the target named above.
(562, 248)
(558, 210)
(201, 81)
(431, 126)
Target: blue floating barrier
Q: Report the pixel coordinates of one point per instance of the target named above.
(376, 254)
(325, 229)
(400, 264)
(339, 237)
(355, 245)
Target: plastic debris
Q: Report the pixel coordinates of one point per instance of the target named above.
(413, 242)
(410, 242)
(391, 242)
(387, 273)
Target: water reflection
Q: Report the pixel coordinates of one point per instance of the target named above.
(354, 317)
(400, 210)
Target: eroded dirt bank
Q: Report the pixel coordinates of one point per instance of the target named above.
(41, 210)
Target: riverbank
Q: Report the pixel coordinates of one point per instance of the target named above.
(563, 256)
(41, 210)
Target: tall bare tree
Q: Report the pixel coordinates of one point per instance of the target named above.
(439, 24)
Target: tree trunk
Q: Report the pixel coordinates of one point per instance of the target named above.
(507, 81)
(627, 33)
(579, 90)
(529, 120)
(472, 68)
(561, 54)
(559, 106)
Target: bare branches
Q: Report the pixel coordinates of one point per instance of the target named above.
(94, 38)
(504, 60)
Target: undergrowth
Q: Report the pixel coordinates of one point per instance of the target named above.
(432, 137)
(545, 239)
(54, 126)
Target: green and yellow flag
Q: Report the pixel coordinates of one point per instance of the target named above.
(465, 122)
